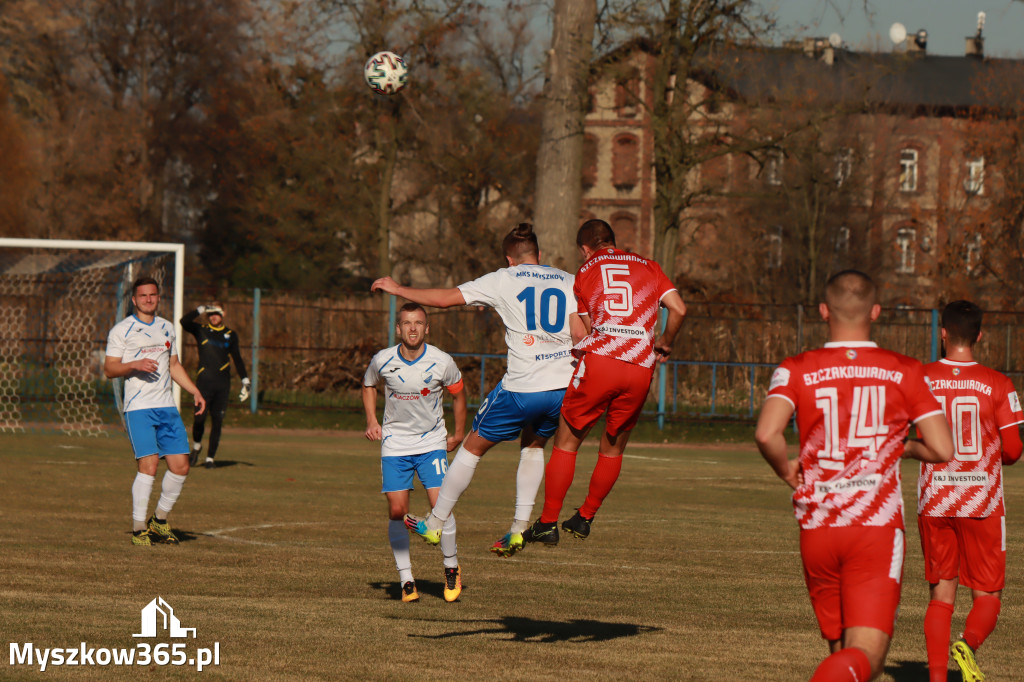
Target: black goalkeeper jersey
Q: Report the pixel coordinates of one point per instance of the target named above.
(217, 347)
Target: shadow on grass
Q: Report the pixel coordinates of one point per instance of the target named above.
(549, 631)
(913, 671)
(221, 463)
(424, 587)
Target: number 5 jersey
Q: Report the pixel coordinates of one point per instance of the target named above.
(978, 402)
(854, 405)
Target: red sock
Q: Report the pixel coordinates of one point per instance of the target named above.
(846, 665)
(557, 479)
(981, 621)
(937, 621)
(606, 472)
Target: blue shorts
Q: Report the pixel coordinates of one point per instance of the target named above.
(156, 431)
(504, 414)
(396, 471)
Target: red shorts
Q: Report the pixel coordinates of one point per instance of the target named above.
(854, 576)
(973, 550)
(601, 383)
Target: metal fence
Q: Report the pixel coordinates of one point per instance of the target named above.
(312, 352)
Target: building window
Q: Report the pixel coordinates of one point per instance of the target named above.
(974, 183)
(844, 165)
(589, 160)
(773, 167)
(773, 255)
(908, 170)
(624, 226)
(972, 253)
(625, 161)
(906, 245)
(627, 95)
(842, 243)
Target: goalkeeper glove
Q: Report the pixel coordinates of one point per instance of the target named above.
(243, 395)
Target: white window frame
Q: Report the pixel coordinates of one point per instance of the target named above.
(773, 167)
(773, 255)
(906, 242)
(974, 183)
(909, 161)
(972, 252)
(842, 240)
(844, 165)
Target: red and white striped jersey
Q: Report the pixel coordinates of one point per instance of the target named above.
(978, 402)
(854, 404)
(621, 293)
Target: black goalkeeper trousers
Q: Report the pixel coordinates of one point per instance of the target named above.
(216, 396)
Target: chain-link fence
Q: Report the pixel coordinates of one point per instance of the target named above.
(312, 352)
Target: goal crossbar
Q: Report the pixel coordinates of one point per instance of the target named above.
(175, 250)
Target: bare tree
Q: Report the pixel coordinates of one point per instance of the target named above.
(560, 155)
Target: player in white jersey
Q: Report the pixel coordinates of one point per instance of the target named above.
(536, 304)
(141, 348)
(413, 437)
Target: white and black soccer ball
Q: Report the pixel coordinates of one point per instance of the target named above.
(385, 73)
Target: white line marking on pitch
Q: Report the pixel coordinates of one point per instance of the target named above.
(221, 533)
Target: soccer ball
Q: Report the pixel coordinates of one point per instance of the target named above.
(385, 73)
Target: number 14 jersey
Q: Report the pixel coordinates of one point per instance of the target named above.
(854, 404)
(978, 402)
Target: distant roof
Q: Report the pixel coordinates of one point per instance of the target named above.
(935, 84)
(905, 81)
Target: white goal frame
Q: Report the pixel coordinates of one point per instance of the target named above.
(99, 245)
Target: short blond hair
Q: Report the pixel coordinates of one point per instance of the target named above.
(850, 295)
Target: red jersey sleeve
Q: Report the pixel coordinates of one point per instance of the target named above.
(783, 384)
(1008, 410)
(921, 402)
(665, 285)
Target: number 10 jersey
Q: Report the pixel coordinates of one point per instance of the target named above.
(534, 302)
(978, 402)
(854, 404)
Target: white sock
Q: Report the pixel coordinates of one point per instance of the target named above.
(142, 487)
(448, 547)
(456, 480)
(528, 480)
(170, 488)
(398, 536)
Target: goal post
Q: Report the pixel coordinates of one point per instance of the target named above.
(58, 300)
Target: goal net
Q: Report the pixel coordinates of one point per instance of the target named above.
(58, 301)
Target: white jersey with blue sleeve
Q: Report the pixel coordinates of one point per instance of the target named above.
(534, 302)
(413, 392)
(132, 339)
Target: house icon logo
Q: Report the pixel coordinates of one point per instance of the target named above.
(157, 615)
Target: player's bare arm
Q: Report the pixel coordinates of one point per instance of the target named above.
(459, 414)
(114, 367)
(771, 439)
(373, 430)
(180, 377)
(1012, 443)
(936, 444)
(578, 327)
(436, 298)
(676, 312)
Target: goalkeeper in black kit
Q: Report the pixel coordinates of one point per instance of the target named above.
(217, 346)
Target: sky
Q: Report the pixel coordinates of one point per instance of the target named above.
(948, 22)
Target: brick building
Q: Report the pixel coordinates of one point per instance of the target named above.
(816, 158)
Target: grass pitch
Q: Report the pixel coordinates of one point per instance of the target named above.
(691, 571)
